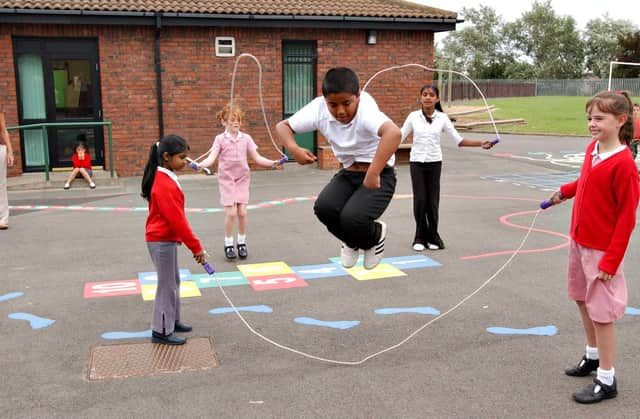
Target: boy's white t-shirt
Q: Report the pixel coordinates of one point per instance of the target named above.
(356, 141)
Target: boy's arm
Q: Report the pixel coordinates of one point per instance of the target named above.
(285, 135)
(390, 137)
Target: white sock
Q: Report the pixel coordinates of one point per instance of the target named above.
(242, 239)
(592, 353)
(606, 376)
(228, 241)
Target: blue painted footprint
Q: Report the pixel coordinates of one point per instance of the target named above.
(36, 322)
(11, 296)
(255, 309)
(127, 335)
(632, 311)
(419, 310)
(538, 331)
(342, 325)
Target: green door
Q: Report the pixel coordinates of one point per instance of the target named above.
(299, 83)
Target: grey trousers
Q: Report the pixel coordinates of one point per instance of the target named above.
(166, 306)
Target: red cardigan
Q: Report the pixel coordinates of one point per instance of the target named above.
(166, 221)
(86, 163)
(604, 210)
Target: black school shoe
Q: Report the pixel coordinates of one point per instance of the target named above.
(596, 392)
(242, 251)
(584, 367)
(171, 339)
(182, 327)
(229, 253)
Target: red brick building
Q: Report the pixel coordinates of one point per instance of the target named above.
(154, 67)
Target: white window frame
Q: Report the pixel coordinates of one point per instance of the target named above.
(223, 43)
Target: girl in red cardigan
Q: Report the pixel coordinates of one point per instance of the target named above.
(604, 215)
(81, 165)
(166, 227)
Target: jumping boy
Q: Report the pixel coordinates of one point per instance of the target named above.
(364, 141)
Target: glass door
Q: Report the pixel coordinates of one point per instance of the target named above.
(58, 81)
(299, 83)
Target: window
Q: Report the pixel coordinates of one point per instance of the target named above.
(225, 46)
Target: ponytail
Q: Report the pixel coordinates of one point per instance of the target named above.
(626, 130)
(150, 171)
(171, 144)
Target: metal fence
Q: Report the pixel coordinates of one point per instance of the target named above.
(464, 89)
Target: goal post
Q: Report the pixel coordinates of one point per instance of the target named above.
(612, 63)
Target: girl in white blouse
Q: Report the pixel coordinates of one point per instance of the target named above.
(425, 161)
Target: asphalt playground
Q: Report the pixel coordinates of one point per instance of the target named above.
(503, 333)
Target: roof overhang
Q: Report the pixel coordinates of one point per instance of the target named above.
(84, 17)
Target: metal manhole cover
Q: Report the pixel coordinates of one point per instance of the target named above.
(140, 359)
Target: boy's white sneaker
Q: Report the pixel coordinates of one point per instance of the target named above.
(348, 256)
(374, 255)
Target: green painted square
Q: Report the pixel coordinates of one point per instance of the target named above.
(226, 279)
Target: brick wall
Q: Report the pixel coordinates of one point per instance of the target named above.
(196, 83)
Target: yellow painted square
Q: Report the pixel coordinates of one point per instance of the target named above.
(265, 269)
(383, 270)
(187, 289)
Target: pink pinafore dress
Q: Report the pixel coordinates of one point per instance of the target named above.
(233, 168)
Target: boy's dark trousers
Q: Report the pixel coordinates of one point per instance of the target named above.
(425, 182)
(349, 210)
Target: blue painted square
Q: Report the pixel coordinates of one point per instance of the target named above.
(337, 260)
(411, 262)
(151, 278)
(326, 270)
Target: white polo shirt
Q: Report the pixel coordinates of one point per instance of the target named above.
(426, 136)
(356, 141)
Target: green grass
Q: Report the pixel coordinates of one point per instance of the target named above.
(563, 115)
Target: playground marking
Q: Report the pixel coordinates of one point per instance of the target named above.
(225, 279)
(187, 289)
(383, 270)
(537, 331)
(111, 288)
(272, 282)
(36, 322)
(342, 325)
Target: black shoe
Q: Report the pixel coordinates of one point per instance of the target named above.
(596, 392)
(182, 327)
(242, 251)
(584, 367)
(229, 253)
(171, 339)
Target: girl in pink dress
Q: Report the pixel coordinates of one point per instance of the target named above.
(231, 148)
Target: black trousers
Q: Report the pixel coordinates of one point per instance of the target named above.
(425, 182)
(349, 210)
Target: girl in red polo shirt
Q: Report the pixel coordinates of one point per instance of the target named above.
(166, 227)
(231, 148)
(604, 215)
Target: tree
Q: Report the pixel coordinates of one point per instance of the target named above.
(628, 51)
(477, 50)
(550, 43)
(601, 41)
